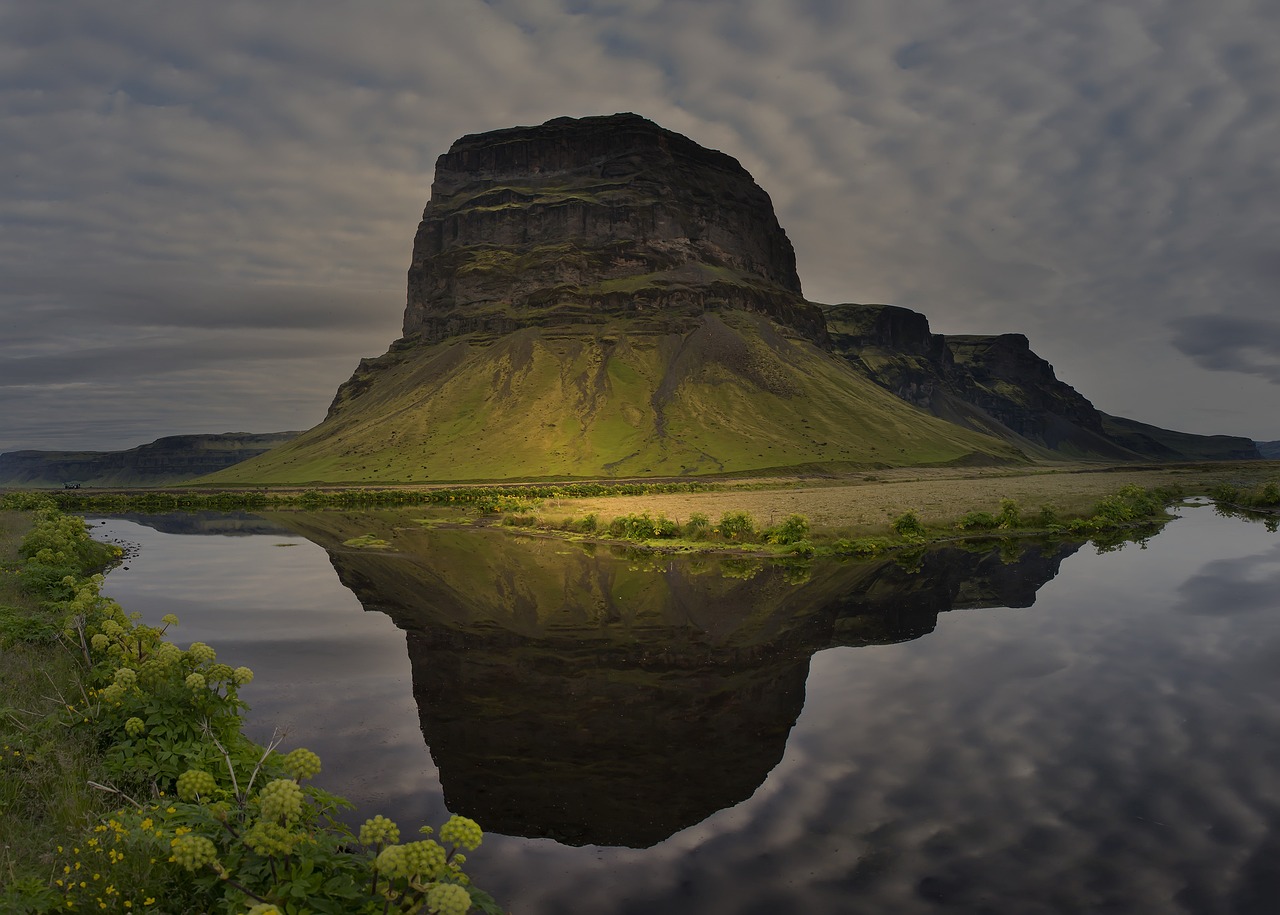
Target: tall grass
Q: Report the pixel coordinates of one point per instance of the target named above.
(45, 771)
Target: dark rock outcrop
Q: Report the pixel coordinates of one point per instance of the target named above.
(576, 219)
(166, 460)
(999, 386)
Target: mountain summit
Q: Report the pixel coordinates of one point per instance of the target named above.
(577, 220)
(603, 297)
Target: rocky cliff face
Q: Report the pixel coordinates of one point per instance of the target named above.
(580, 218)
(998, 385)
(1269, 450)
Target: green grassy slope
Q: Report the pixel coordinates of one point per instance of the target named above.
(733, 394)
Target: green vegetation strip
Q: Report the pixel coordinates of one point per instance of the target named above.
(127, 784)
(484, 499)
(1131, 512)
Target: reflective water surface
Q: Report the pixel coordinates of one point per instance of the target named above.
(971, 731)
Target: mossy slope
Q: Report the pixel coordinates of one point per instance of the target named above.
(735, 393)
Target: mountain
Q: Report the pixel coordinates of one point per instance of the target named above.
(166, 460)
(999, 386)
(1269, 450)
(603, 297)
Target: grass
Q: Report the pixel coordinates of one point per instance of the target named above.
(866, 505)
(45, 798)
(729, 396)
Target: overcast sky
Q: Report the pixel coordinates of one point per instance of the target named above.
(207, 209)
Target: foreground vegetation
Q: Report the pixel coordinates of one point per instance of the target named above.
(1132, 511)
(127, 785)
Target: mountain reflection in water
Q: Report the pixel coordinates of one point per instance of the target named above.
(601, 698)
(1112, 749)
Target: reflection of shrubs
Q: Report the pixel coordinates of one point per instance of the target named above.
(861, 547)
(367, 542)
(796, 573)
(740, 568)
(910, 560)
(1010, 551)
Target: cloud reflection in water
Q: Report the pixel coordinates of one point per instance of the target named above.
(1095, 752)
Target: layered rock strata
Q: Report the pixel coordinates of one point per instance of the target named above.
(580, 218)
(999, 386)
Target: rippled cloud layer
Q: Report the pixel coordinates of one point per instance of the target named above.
(207, 209)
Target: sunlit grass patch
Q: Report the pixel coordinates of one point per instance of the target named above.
(367, 542)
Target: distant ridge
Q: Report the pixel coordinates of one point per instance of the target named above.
(998, 385)
(173, 459)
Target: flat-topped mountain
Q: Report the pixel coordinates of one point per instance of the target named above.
(603, 297)
(577, 220)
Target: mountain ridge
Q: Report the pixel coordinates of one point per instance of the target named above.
(603, 297)
(170, 459)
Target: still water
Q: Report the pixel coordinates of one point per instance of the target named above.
(1060, 731)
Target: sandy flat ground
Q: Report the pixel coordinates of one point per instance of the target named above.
(867, 504)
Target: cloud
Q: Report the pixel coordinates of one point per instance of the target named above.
(1227, 587)
(1081, 173)
(1224, 343)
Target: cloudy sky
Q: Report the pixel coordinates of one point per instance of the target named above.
(207, 209)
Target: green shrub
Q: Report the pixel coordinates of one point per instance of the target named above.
(698, 527)
(224, 825)
(792, 530)
(1268, 496)
(737, 527)
(1225, 492)
(1010, 515)
(665, 528)
(642, 527)
(909, 528)
(1114, 510)
(977, 521)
